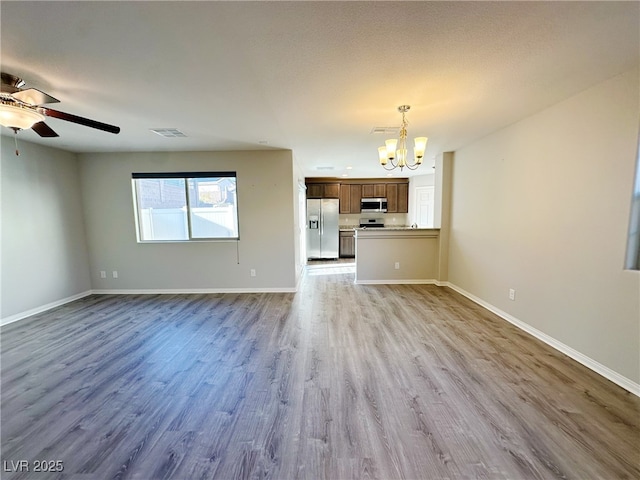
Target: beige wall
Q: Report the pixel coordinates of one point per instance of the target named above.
(542, 206)
(44, 254)
(266, 204)
(415, 250)
(442, 207)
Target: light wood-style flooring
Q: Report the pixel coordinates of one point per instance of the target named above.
(337, 381)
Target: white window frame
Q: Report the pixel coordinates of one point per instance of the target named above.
(186, 176)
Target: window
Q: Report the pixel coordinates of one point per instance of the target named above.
(185, 206)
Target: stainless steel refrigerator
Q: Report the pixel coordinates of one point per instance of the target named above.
(322, 228)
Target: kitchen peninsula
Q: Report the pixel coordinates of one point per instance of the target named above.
(397, 255)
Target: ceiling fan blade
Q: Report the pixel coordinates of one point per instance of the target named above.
(80, 120)
(33, 96)
(44, 130)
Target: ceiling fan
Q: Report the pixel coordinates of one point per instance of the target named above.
(21, 109)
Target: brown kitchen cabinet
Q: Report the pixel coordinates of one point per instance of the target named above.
(347, 244)
(351, 191)
(379, 190)
(397, 198)
(314, 190)
(355, 194)
(374, 190)
(323, 190)
(392, 198)
(403, 198)
(367, 190)
(330, 190)
(345, 198)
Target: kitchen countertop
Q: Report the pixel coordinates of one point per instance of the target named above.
(397, 227)
(396, 232)
(348, 228)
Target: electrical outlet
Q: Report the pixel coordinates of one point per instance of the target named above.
(397, 266)
(115, 274)
(103, 274)
(512, 294)
(252, 272)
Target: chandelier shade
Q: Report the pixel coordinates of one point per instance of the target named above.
(394, 152)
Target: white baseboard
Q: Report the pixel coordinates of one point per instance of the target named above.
(597, 367)
(43, 308)
(416, 281)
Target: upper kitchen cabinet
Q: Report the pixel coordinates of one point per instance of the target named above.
(345, 198)
(397, 198)
(374, 190)
(352, 190)
(314, 190)
(350, 196)
(323, 190)
(403, 198)
(392, 198)
(331, 190)
(355, 194)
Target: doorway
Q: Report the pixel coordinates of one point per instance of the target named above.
(424, 206)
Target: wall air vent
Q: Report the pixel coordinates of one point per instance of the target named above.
(168, 132)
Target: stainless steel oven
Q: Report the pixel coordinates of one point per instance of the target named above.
(372, 223)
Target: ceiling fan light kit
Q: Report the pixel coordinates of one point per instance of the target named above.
(17, 116)
(21, 109)
(394, 152)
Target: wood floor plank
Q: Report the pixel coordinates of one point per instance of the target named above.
(336, 381)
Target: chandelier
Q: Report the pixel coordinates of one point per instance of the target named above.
(394, 153)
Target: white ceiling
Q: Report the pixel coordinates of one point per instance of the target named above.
(313, 77)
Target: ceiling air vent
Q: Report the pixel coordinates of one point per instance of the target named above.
(386, 130)
(168, 132)
(324, 167)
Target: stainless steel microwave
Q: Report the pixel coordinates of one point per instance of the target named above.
(377, 205)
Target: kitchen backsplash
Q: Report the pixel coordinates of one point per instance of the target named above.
(390, 219)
